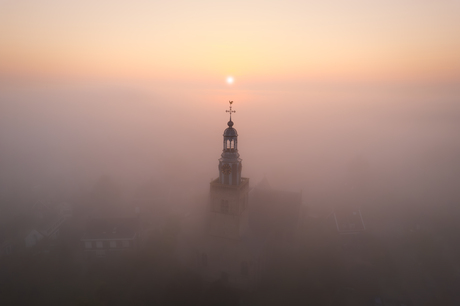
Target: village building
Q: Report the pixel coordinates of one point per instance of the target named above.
(110, 237)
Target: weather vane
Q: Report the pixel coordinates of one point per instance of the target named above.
(230, 111)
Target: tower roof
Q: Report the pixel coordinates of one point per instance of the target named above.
(230, 132)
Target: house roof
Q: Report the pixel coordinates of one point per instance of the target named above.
(51, 225)
(348, 220)
(111, 228)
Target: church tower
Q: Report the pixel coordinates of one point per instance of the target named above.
(229, 192)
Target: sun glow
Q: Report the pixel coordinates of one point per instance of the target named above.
(230, 80)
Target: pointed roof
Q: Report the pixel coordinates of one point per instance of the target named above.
(263, 184)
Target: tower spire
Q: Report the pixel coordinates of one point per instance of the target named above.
(230, 161)
(229, 192)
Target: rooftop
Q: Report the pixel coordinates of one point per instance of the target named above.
(111, 228)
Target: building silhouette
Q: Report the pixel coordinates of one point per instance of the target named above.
(241, 226)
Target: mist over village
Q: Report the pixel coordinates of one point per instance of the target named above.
(248, 168)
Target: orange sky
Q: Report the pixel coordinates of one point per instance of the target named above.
(208, 40)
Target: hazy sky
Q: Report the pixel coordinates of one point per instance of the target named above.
(207, 40)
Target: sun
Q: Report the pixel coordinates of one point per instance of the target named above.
(230, 80)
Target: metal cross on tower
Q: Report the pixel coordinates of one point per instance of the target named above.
(230, 111)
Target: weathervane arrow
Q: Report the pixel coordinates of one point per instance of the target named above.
(230, 111)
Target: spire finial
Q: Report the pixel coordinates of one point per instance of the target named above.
(230, 111)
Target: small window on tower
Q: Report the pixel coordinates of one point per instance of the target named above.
(224, 206)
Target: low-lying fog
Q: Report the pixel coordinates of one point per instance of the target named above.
(317, 138)
(393, 152)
